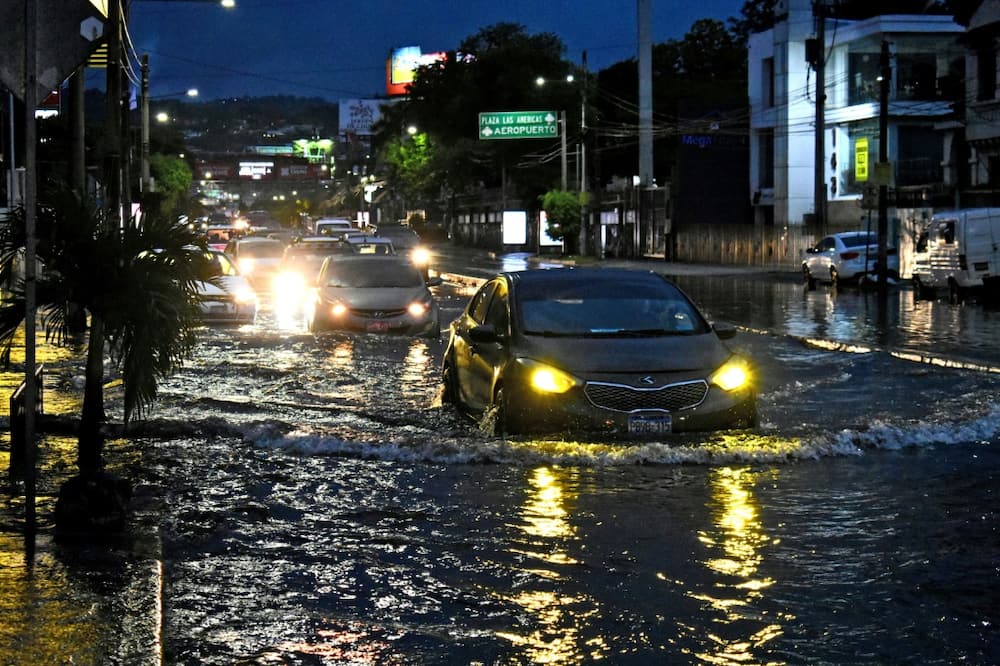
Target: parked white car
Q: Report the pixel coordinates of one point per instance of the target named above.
(849, 256)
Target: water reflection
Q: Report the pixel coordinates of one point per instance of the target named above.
(735, 546)
(42, 624)
(558, 617)
(851, 316)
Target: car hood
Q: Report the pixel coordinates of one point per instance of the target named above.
(375, 298)
(671, 353)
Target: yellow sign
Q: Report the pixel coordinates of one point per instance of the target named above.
(861, 159)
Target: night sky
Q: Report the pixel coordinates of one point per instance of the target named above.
(337, 50)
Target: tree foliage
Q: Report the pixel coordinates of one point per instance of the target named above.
(563, 212)
(137, 282)
(173, 179)
(494, 69)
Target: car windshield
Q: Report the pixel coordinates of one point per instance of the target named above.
(369, 275)
(611, 309)
(216, 264)
(262, 250)
(316, 249)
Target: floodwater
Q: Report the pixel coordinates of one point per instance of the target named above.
(319, 506)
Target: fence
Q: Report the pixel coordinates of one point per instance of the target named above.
(17, 413)
(741, 244)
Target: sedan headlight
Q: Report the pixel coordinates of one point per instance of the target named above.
(416, 309)
(246, 265)
(732, 375)
(420, 256)
(545, 378)
(244, 295)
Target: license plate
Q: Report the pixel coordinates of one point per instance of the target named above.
(216, 308)
(649, 424)
(377, 326)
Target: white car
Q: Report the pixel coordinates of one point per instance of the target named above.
(850, 256)
(226, 296)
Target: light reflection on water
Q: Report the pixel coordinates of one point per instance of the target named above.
(559, 620)
(735, 547)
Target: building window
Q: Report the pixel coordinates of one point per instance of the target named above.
(863, 72)
(916, 76)
(767, 82)
(765, 159)
(993, 171)
(921, 152)
(986, 77)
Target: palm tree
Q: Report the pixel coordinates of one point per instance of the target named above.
(136, 281)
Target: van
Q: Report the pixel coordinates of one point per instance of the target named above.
(955, 251)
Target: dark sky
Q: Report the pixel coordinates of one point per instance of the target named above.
(337, 50)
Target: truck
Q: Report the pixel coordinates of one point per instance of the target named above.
(955, 252)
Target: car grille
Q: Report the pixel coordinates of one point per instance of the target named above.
(378, 314)
(623, 398)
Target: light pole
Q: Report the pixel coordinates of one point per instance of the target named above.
(145, 182)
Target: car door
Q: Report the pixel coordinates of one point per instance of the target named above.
(470, 366)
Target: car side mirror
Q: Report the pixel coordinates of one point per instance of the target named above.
(811, 250)
(724, 330)
(484, 333)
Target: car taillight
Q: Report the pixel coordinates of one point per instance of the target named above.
(847, 256)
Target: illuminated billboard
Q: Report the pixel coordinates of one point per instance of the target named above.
(358, 116)
(402, 64)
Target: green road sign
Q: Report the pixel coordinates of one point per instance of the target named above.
(518, 125)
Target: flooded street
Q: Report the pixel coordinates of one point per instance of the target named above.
(319, 506)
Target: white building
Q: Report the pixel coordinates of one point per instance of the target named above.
(926, 63)
(982, 107)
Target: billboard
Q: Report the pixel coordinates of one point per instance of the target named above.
(358, 116)
(401, 65)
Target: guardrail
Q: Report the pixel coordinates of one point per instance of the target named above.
(17, 412)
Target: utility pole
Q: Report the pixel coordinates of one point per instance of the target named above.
(113, 104)
(30, 245)
(584, 208)
(645, 14)
(883, 172)
(144, 184)
(819, 156)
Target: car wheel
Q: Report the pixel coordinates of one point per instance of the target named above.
(808, 279)
(956, 295)
(920, 291)
(450, 393)
(502, 424)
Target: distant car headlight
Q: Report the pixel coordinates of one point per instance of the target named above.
(545, 378)
(420, 256)
(732, 375)
(246, 265)
(244, 295)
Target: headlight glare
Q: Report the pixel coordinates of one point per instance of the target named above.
(244, 295)
(545, 378)
(416, 309)
(731, 376)
(420, 256)
(338, 309)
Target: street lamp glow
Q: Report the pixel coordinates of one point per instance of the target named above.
(411, 130)
(192, 92)
(228, 4)
(162, 117)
